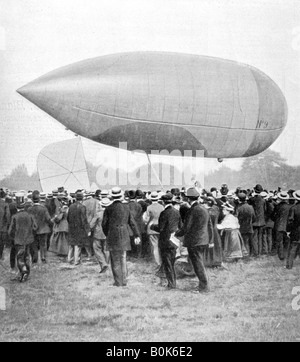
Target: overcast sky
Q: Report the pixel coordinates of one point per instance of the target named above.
(37, 36)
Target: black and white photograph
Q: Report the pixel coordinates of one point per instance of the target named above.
(149, 173)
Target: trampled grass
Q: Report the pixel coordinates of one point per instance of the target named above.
(251, 301)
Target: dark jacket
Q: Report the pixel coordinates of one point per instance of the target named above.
(42, 218)
(259, 207)
(4, 216)
(22, 228)
(280, 216)
(246, 216)
(137, 213)
(116, 224)
(196, 227)
(168, 223)
(294, 222)
(78, 224)
(270, 205)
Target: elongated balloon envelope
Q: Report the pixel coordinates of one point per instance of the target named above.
(63, 164)
(157, 100)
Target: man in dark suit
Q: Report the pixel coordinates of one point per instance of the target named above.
(168, 223)
(22, 229)
(259, 207)
(137, 213)
(78, 229)
(196, 230)
(280, 217)
(44, 224)
(294, 226)
(117, 220)
(246, 216)
(4, 221)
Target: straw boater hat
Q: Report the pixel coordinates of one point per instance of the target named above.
(116, 193)
(154, 196)
(105, 202)
(296, 195)
(264, 194)
(104, 193)
(283, 195)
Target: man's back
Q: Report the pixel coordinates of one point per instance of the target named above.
(4, 216)
(246, 217)
(91, 207)
(116, 222)
(259, 207)
(196, 226)
(42, 218)
(169, 222)
(22, 226)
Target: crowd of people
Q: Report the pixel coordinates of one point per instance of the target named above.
(212, 227)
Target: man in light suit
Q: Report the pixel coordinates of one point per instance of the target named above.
(151, 216)
(196, 230)
(116, 223)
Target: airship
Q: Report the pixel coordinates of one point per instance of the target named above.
(165, 101)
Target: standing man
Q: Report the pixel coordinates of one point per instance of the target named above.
(117, 220)
(168, 223)
(280, 217)
(137, 213)
(151, 216)
(4, 221)
(196, 230)
(22, 230)
(44, 223)
(259, 207)
(294, 222)
(78, 229)
(246, 216)
(91, 204)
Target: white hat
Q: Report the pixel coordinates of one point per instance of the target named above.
(264, 194)
(296, 195)
(283, 195)
(105, 202)
(116, 193)
(154, 196)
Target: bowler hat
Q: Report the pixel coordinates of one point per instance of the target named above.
(79, 195)
(167, 197)
(131, 194)
(139, 194)
(242, 196)
(192, 192)
(36, 196)
(258, 189)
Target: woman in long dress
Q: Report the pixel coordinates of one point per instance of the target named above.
(58, 242)
(233, 244)
(213, 256)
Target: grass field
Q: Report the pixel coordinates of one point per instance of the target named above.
(249, 302)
